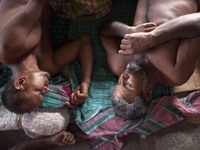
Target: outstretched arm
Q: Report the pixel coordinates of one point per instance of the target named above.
(187, 26)
(63, 138)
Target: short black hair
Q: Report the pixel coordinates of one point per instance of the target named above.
(12, 98)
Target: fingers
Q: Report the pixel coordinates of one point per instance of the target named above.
(70, 105)
(125, 52)
(126, 41)
(149, 29)
(149, 24)
(68, 138)
(127, 36)
(126, 45)
(78, 98)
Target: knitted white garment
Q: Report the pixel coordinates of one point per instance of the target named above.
(45, 122)
(9, 120)
(42, 122)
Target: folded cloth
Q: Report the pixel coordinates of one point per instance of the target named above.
(105, 130)
(81, 9)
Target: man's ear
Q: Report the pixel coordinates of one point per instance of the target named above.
(20, 82)
(148, 94)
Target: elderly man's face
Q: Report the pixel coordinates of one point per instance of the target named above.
(129, 85)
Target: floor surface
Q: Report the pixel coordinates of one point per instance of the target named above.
(182, 136)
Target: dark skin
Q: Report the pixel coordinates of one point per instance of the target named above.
(31, 58)
(186, 26)
(63, 138)
(168, 64)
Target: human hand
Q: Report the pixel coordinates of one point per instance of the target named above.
(136, 43)
(63, 138)
(78, 96)
(139, 40)
(145, 27)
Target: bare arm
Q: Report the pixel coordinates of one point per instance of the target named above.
(187, 26)
(85, 56)
(119, 29)
(61, 139)
(109, 34)
(80, 48)
(23, 29)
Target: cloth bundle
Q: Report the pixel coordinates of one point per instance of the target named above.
(42, 122)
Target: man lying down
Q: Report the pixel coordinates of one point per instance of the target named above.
(46, 122)
(49, 122)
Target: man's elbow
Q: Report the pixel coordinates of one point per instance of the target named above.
(179, 80)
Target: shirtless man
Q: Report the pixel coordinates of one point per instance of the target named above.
(187, 26)
(169, 64)
(25, 47)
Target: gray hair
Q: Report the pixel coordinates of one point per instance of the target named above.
(136, 109)
(133, 68)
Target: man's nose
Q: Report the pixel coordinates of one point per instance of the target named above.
(124, 78)
(45, 90)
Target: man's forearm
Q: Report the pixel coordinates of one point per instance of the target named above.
(33, 144)
(187, 26)
(113, 28)
(86, 60)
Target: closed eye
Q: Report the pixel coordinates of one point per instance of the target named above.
(119, 83)
(128, 85)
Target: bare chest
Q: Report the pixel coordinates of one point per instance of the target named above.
(160, 11)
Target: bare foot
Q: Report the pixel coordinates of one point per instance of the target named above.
(63, 138)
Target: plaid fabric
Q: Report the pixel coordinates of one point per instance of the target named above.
(81, 9)
(105, 130)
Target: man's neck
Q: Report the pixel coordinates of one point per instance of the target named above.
(28, 64)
